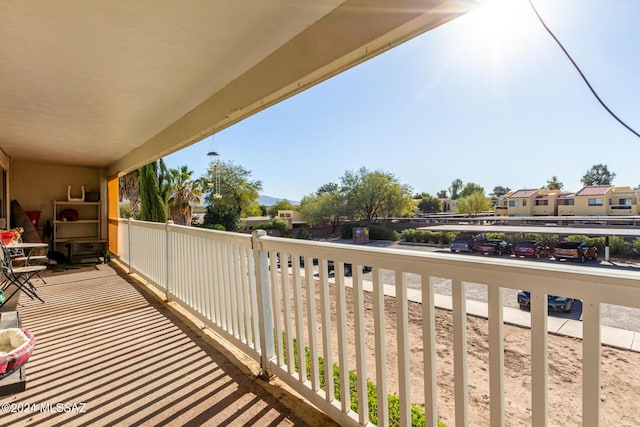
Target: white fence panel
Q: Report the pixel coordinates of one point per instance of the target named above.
(213, 277)
(123, 240)
(148, 251)
(327, 313)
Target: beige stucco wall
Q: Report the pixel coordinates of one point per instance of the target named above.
(623, 193)
(582, 205)
(548, 210)
(522, 210)
(551, 208)
(565, 210)
(36, 185)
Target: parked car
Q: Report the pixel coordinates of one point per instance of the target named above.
(555, 303)
(533, 248)
(348, 269)
(575, 250)
(495, 247)
(466, 242)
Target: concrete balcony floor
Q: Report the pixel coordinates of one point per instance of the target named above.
(123, 357)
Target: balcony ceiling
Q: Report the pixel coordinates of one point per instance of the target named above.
(116, 83)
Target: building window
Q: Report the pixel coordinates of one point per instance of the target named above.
(513, 203)
(625, 202)
(544, 202)
(524, 202)
(566, 202)
(595, 202)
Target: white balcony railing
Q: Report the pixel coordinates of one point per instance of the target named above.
(254, 291)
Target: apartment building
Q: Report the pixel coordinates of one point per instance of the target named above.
(600, 200)
(528, 202)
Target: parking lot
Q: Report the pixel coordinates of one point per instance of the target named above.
(615, 316)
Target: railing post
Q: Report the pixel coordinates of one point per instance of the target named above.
(265, 315)
(169, 265)
(129, 243)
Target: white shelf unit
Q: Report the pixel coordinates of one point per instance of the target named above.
(87, 227)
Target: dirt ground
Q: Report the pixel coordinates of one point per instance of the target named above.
(620, 386)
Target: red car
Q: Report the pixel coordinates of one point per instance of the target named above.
(494, 247)
(533, 248)
(575, 250)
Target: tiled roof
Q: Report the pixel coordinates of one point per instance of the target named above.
(594, 190)
(566, 196)
(523, 193)
(542, 196)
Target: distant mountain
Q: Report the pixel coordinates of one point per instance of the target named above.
(270, 201)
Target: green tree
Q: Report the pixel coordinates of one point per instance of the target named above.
(282, 205)
(471, 188)
(473, 204)
(185, 191)
(154, 191)
(554, 184)
(442, 194)
(375, 194)
(330, 188)
(500, 191)
(598, 175)
(455, 188)
(230, 194)
(430, 204)
(324, 207)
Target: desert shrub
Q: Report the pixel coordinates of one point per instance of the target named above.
(378, 232)
(635, 246)
(303, 233)
(418, 236)
(598, 242)
(446, 237)
(418, 417)
(425, 236)
(500, 236)
(511, 238)
(125, 210)
(346, 232)
(620, 247)
(409, 235)
(550, 240)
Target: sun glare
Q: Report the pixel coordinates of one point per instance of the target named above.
(497, 28)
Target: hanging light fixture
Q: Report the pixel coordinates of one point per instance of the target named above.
(212, 152)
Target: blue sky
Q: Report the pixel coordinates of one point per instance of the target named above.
(488, 98)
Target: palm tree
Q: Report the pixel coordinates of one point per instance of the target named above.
(129, 186)
(554, 184)
(184, 192)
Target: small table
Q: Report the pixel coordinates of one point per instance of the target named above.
(27, 248)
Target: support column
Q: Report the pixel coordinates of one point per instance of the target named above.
(265, 313)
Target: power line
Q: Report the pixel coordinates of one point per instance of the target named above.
(581, 73)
